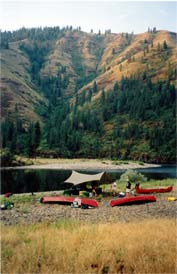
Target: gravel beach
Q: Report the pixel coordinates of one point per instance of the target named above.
(35, 212)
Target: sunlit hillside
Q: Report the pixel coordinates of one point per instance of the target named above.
(94, 95)
(17, 91)
(82, 58)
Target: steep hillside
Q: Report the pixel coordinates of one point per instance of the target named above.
(95, 95)
(76, 60)
(127, 55)
(17, 90)
(76, 56)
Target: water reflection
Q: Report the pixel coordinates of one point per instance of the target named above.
(21, 181)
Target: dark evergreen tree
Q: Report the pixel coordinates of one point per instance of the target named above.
(37, 134)
(95, 89)
(165, 46)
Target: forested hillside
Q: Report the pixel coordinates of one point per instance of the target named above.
(67, 93)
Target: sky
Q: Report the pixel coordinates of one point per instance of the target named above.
(125, 16)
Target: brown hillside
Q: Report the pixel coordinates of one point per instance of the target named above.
(73, 51)
(85, 58)
(135, 56)
(16, 89)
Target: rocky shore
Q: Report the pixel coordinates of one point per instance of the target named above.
(34, 212)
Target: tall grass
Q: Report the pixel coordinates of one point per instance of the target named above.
(142, 247)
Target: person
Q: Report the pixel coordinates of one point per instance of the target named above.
(94, 190)
(128, 188)
(114, 187)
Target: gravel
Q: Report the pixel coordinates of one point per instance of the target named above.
(28, 213)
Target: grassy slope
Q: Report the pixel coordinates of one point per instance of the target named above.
(85, 54)
(153, 61)
(106, 64)
(78, 53)
(16, 86)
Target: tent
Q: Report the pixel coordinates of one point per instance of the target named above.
(77, 178)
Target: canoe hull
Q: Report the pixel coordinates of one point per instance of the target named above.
(57, 199)
(68, 200)
(153, 190)
(89, 202)
(133, 200)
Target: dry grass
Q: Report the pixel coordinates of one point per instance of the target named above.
(14, 85)
(153, 59)
(143, 247)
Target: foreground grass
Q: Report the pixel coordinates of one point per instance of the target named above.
(64, 247)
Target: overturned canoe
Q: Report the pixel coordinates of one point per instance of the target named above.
(133, 200)
(57, 199)
(153, 190)
(89, 202)
(68, 200)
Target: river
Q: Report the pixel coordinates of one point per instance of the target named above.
(22, 181)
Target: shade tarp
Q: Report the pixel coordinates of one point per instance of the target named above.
(77, 178)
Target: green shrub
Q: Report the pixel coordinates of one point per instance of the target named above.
(6, 157)
(133, 176)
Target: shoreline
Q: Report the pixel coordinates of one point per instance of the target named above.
(82, 164)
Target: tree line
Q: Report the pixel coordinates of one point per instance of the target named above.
(135, 120)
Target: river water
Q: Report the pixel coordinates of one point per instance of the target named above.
(21, 181)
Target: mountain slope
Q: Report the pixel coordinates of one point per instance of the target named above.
(16, 87)
(79, 59)
(97, 95)
(131, 56)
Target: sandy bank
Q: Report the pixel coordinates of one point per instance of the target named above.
(82, 164)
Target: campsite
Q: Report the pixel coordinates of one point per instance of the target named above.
(29, 207)
(88, 137)
(41, 230)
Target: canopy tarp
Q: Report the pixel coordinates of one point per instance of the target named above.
(77, 178)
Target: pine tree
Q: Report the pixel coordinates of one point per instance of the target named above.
(37, 134)
(102, 98)
(113, 51)
(165, 46)
(95, 89)
(30, 141)
(158, 47)
(89, 95)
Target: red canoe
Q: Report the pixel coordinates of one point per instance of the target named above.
(57, 199)
(68, 200)
(133, 200)
(153, 190)
(8, 194)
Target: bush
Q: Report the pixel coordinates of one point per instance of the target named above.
(133, 176)
(6, 157)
